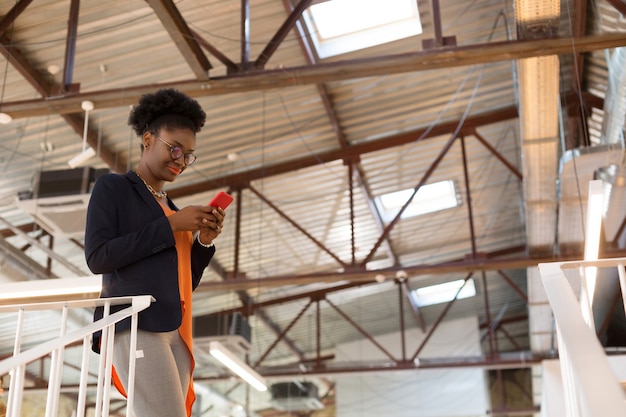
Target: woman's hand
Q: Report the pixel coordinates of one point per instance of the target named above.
(212, 229)
(207, 220)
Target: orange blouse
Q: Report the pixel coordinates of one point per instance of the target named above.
(184, 241)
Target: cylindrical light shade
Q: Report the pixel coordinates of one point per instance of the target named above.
(229, 359)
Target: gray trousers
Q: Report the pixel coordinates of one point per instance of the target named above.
(162, 375)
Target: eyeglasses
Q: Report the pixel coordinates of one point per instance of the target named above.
(176, 152)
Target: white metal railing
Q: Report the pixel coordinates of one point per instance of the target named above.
(15, 366)
(591, 388)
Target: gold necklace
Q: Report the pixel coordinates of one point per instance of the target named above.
(157, 194)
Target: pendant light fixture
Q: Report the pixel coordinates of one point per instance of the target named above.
(87, 152)
(5, 118)
(238, 366)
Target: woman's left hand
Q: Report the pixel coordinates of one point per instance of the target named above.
(212, 227)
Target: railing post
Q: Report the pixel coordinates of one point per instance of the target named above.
(16, 385)
(56, 371)
(101, 366)
(131, 366)
(84, 374)
(108, 353)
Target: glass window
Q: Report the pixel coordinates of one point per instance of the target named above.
(443, 293)
(341, 26)
(430, 198)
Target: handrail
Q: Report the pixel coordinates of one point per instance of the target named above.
(16, 365)
(590, 386)
(57, 305)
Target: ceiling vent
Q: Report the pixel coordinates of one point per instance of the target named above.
(538, 89)
(232, 330)
(58, 200)
(294, 396)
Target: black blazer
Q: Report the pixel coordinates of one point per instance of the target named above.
(128, 240)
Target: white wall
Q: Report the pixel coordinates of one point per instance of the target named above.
(425, 393)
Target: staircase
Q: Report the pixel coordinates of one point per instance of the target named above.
(15, 366)
(590, 383)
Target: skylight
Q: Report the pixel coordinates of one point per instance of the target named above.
(430, 198)
(443, 293)
(341, 26)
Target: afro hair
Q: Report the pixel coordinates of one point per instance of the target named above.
(166, 108)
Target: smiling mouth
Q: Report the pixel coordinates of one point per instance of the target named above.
(174, 171)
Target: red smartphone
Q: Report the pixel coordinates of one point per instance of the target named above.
(221, 200)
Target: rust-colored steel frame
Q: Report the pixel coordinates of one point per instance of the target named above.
(317, 365)
(354, 264)
(250, 308)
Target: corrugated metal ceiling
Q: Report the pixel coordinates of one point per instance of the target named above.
(292, 165)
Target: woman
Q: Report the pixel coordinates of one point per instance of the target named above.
(142, 243)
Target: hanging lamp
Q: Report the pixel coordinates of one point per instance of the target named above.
(87, 152)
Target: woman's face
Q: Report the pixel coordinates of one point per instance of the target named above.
(161, 149)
